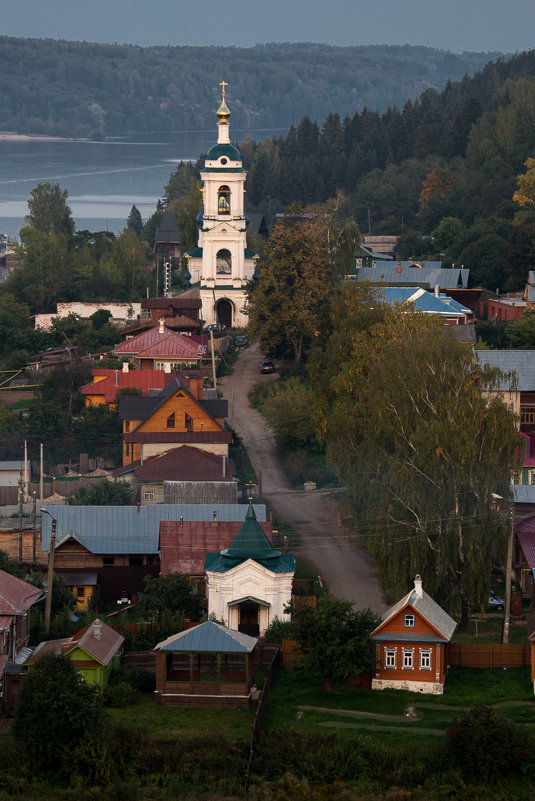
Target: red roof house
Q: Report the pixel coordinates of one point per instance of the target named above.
(158, 347)
(106, 384)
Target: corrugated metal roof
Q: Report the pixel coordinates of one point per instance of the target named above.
(17, 596)
(131, 529)
(151, 338)
(192, 437)
(116, 380)
(215, 563)
(432, 274)
(523, 493)
(209, 637)
(522, 362)
(424, 301)
(427, 608)
(74, 579)
(184, 464)
(11, 466)
(102, 649)
(6, 621)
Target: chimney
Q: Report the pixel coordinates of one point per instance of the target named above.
(437, 291)
(399, 268)
(418, 585)
(117, 378)
(125, 367)
(181, 521)
(382, 279)
(224, 464)
(97, 630)
(167, 367)
(160, 326)
(214, 519)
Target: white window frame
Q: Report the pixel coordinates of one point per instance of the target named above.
(407, 659)
(148, 495)
(425, 658)
(390, 658)
(410, 621)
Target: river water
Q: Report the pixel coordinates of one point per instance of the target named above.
(103, 179)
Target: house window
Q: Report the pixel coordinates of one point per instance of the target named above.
(223, 262)
(171, 421)
(409, 621)
(108, 560)
(127, 450)
(408, 659)
(145, 314)
(531, 476)
(425, 659)
(127, 425)
(390, 658)
(516, 478)
(80, 592)
(188, 422)
(148, 495)
(223, 200)
(135, 561)
(527, 414)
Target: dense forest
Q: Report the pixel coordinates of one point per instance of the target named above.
(81, 89)
(440, 173)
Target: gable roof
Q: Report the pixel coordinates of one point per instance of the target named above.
(425, 606)
(525, 534)
(135, 408)
(130, 529)
(522, 362)
(185, 463)
(102, 648)
(151, 341)
(425, 301)
(183, 548)
(412, 273)
(17, 596)
(209, 637)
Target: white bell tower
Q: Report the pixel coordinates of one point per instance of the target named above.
(221, 262)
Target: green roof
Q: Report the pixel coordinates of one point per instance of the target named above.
(250, 542)
(223, 150)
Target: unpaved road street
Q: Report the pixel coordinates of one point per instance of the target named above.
(347, 569)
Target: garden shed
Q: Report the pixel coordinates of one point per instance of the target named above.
(208, 665)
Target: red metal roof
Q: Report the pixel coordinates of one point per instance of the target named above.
(116, 380)
(16, 596)
(183, 548)
(6, 621)
(185, 464)
(102, 649)
(169, 348)
(151, 337)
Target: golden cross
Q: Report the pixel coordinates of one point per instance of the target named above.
(250, 485)
(222, 84)
(202, 193)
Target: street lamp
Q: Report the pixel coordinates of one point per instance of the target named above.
(50, 579)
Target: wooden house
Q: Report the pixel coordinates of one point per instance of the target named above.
(179, 415)
(16, 599)
(208, 665)
(182, 475)
(106, 384)
(94, 651)
(411, 643)
(160, 348)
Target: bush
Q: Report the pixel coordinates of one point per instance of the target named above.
(278, 631)
(486, 744)
(120, 694)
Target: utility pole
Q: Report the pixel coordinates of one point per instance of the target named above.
(50, 579)
(214, 380)
(21, 496)
(41, 499)
(508, 574)
(34, 560)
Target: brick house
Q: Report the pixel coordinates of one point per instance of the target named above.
(411, 643)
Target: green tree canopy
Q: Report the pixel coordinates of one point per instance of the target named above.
(135, 221)
(55, 711)
(102, 493)
(170, 593)
(48, 210)
(418, 444)
(334, 639)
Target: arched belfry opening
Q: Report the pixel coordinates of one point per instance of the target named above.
(223, 200)
(224, 313)
(223, 262)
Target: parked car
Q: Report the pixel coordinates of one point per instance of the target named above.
(211, 327)
(496, 603)
(241, 340)
(267, 367)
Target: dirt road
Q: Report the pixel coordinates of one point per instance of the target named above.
(346, 568)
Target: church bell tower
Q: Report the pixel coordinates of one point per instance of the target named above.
(221, 263)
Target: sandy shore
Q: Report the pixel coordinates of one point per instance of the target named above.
(9, 136)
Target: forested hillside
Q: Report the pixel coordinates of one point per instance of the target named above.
(445, 165)
(82, 89)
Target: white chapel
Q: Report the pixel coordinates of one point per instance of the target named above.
(221, 263)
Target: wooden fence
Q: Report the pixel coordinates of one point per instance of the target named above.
(140, 659)
(488, 655)
(272, 672)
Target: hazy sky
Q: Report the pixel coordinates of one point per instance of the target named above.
(457, 25)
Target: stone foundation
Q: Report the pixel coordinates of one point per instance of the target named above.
(424, 687)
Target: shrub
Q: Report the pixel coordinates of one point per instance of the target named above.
(120, 694)
(486, 744)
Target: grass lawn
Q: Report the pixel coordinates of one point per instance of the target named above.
(174, 722)
(350, 711)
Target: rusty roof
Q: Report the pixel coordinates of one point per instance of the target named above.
(101, 649)
(17, 596)
(183, 548)
(185, 463)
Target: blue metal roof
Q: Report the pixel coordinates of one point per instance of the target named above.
(432, 274)
(285, 563)
(132, 529)
(425, 302)
(209, 637)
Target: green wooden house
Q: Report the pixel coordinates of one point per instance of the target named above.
(95, 650)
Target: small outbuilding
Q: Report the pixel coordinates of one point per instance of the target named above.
(208, 665)
(411, 644)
